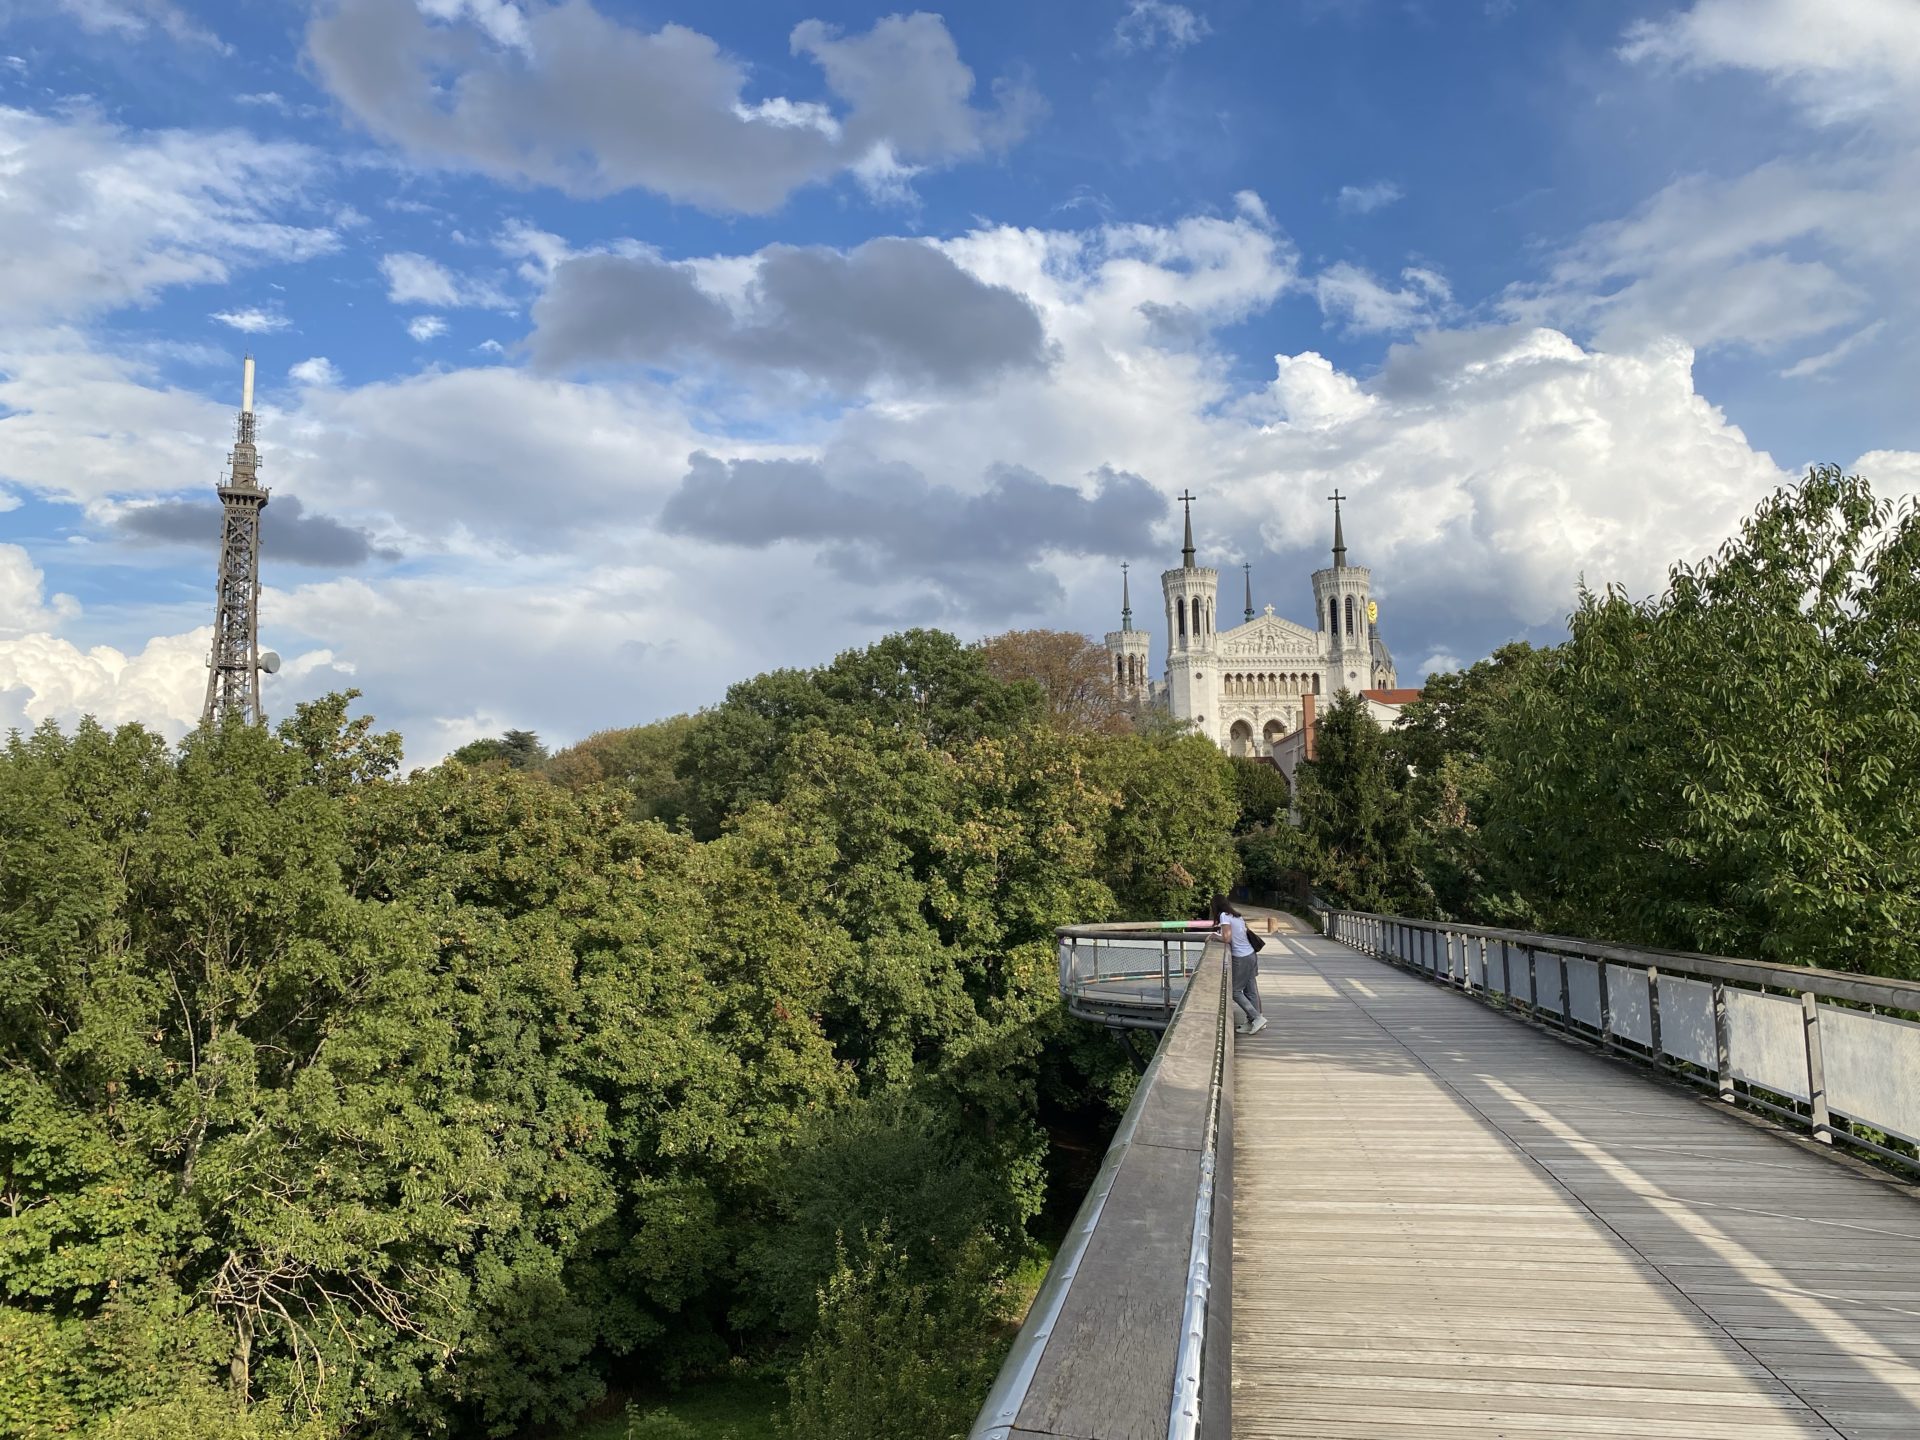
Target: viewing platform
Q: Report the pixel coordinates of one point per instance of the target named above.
(1482, 1184)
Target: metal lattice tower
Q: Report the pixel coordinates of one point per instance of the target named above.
(233, 675)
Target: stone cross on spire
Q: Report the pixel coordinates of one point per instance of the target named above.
(1126, 600)
(1186, 498)
(1339, 540)
(1249, 570)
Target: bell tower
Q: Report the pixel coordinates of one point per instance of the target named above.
(1127, 649)
(233, 671)
(1341, 596)
(1193, 678)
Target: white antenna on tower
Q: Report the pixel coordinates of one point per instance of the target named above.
(246, 388)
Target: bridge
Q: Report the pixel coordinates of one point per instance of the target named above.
(1474, 1182)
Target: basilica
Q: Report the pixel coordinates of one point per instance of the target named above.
(1245, 687)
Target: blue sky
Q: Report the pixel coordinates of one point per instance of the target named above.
(611, 353)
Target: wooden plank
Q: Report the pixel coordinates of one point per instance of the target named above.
(1448, 1223)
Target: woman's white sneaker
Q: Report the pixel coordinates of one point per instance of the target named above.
(1259, 1024)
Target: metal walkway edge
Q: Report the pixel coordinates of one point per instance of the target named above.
(1450, 1224)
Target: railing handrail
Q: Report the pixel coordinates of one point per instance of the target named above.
(1206, 1252)
(1850, 1075)
(1829, 984)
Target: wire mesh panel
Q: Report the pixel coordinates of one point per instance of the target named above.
(1686, 1020)
(1547, 972)
(1628, 1004)
(1583, 989)
(1768, 1041)
(1873, 1069)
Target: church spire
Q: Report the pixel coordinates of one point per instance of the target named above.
(1186, 499)
(1339, 540)
(1126, 601)
(1249, 570)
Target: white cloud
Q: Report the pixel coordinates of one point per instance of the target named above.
(1827, 359)
(1489, 469)
(1365, 199)
(317, 371)
(414, 279)
(426, 327)
(252, 320)
(1156, 24)
(1845, 62)
(499, 18)
(1794, 249)
(24, 604)
(595, 106)
(1892, 472)
(97, 218)
(134, 19)
(1351, 295)
(1441, 662)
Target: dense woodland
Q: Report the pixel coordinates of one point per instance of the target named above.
(336, 1103)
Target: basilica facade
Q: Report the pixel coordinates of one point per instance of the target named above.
(1244, 687)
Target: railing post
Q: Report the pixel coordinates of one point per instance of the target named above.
(1533, 982)
(1722, 1042)
(1506, 970)
(1166, 972)
(1653, 1015)
(1466, 962)
(1816, 1070)
(1566, 994)
(1606, 1005)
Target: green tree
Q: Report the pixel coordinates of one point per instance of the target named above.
(894, 1358)
(637, 761)
(919, 682)
(1734, 765)
(514, 750)
(1447, 747)
(1167, 844)
(1354, 814)
(1262, 792)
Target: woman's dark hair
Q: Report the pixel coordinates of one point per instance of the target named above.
(1221, 907)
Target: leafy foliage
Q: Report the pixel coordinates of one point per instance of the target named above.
(334, 1103)
(1732, 765)
(1074, 675)
(1354, 814)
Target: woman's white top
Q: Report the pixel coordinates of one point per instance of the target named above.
(1237, 935)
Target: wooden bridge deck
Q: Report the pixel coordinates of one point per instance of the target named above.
(1449, 1224)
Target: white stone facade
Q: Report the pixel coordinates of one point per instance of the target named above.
(1242, 686)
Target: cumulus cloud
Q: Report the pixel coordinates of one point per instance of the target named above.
(317, 370)
(1489, 469)
(980, 548)
(1156, 24)
(578, 100)
(1365, 199)
(890, 309)
(97, 218)
(414, 279)
(426, 327)
(24, 603)
(287, 531)
(1350, 294)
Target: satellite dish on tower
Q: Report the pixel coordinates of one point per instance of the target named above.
(269, 663)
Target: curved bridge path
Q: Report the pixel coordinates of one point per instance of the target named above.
(1449, 1224)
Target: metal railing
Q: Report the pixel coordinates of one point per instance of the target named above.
(1131, 1332)
(1807, 1046)
(1128, 976)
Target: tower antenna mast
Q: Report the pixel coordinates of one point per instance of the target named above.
(233, 670)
